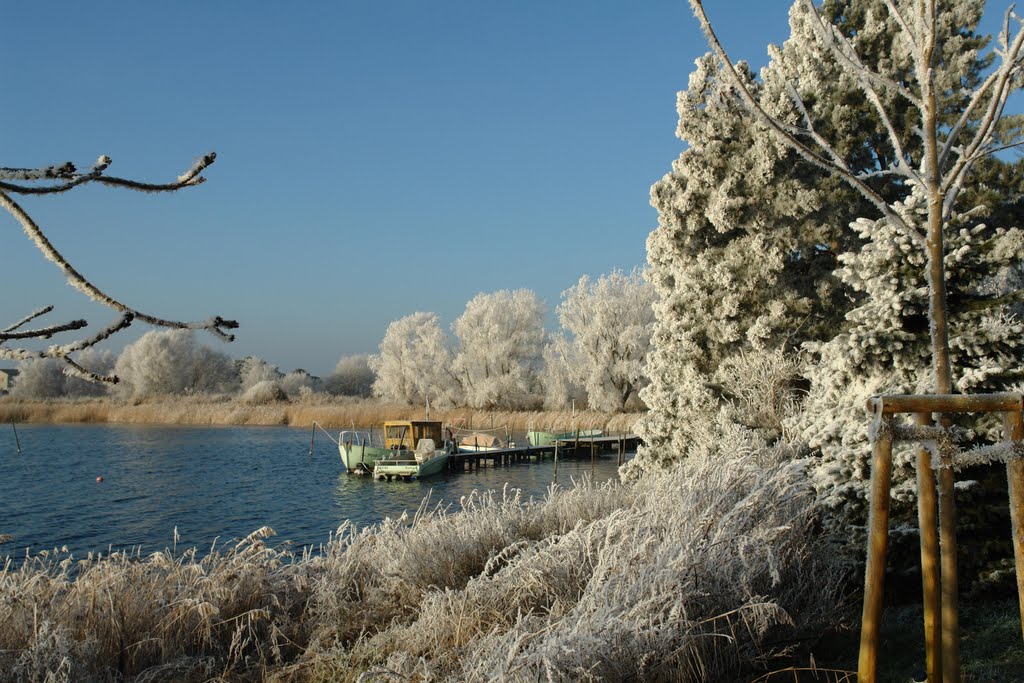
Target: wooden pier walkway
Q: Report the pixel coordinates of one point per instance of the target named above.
(562, 448)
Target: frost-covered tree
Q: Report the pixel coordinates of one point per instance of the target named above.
(500, 340)
(414, 363)
(609, 322)
(40, 378)
(253, 370)
(64, 178)
(867, 100)
(299, 382)
(560, 391)
(171, 362)
(352, 376)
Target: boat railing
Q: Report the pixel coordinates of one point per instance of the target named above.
(352, 437)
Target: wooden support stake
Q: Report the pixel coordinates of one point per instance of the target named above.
(878, 543)
(948, 568)
(927, 518)
(1014, 426)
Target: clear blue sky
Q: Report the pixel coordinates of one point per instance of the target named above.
(374, 158)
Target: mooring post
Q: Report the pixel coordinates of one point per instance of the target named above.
(556, 460)
(927, 521)
(1014, 428)
(878, 543)
(17, 441)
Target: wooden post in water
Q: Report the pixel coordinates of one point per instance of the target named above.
(17, 441)
(927, 521)
(1014, 434)
(593, 456)
(878, 544)
(556, 460)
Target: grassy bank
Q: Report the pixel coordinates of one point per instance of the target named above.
(328, 412)
(708, 575)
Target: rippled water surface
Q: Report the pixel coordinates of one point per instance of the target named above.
(210, 483)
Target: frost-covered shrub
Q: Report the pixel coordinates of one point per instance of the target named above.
(299, 383)
(170, 362)
(352, 376)
(253, 370)
(500, 339)
(261, 393)
(702, 573)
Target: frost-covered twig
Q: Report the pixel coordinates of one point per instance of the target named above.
(68, 174)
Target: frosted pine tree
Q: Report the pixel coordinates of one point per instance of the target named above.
(867, 100)
(887, 348)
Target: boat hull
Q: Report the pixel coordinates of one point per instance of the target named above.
(359, 458)
(547, 438)
(409, 468)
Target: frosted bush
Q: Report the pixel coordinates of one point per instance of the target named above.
(299, 383)
(261, 393)
(253, 370)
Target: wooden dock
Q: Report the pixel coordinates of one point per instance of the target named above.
(583, 447)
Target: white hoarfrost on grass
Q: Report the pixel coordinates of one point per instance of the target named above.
(709, 572)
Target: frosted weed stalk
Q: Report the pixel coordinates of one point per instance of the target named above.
(231, 613)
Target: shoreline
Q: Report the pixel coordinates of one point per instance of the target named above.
(328, 413)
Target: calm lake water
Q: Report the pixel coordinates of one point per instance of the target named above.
(210, 483)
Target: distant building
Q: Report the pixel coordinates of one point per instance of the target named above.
(6, 375)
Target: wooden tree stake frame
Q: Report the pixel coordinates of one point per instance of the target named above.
(937, 520)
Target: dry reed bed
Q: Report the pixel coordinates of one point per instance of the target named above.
(702, 574)
(330, 413)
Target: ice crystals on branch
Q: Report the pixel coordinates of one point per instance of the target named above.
(62, 178)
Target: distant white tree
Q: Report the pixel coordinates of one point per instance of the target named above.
(39, 378)
(501, 335)
(298, 382)
(63, 178)
(253, 370)
(48, 377)
(170, 362)
(414, 363)
(610, 322)
(352, 376)
(556, 381)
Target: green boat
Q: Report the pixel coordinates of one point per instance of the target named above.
(535, 438)
(359, 454)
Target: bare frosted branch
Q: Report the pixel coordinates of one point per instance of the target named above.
(29, 318)
(43, 332)
(67, 173)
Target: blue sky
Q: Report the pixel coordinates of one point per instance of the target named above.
(374, 158)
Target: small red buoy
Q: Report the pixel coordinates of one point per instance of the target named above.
(99, 480)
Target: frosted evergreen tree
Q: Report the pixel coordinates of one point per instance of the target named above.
(500, 340)
(609, 322)
(414, 363)
(886, 348)
(866, 101)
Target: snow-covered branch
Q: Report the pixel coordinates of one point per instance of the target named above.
(69, 178)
